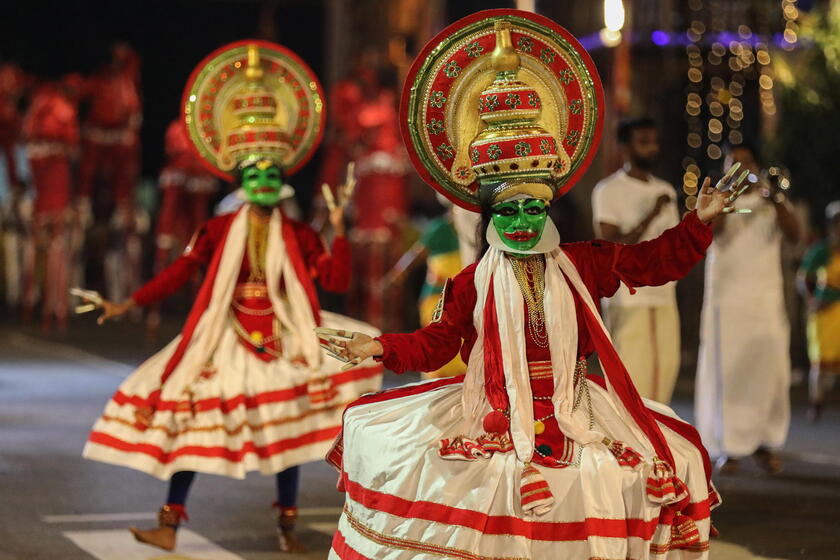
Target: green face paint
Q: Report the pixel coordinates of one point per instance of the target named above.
(520, 223)
(262, 185)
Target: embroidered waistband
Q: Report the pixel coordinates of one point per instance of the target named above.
(250, 290)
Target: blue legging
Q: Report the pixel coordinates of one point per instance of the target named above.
(287, 487)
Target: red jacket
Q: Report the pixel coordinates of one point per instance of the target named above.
(602, 266)
(332, 270)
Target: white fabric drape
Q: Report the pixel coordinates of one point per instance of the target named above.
(561, 326)
(294, 312)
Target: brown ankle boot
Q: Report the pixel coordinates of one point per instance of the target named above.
(164, 535)
(286, 535)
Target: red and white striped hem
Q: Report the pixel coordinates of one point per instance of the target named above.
(164, 457)
(250, 401)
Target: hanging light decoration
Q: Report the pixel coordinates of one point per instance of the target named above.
(714, 109)
(791, 33)
(694, 100)
(613, 22)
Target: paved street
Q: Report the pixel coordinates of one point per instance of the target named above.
(55, 505)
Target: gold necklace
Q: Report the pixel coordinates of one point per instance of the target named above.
(530, 275)
(257, 242)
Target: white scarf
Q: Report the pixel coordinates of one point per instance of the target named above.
(294, 312)
(562, 329)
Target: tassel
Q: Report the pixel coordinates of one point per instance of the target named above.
(684, 532)
(535, 494)
(624, 455)
(663, 486)
(321, 391)
(185, 410)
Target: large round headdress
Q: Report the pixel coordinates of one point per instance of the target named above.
(500, 98)
(252, 100)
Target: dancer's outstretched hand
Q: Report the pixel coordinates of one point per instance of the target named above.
(111, 310)
(93, 300)
(717, 200)
(347, 346)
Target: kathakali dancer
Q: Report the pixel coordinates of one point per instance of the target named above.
(245, 387)
(51, 252)
(526, 456)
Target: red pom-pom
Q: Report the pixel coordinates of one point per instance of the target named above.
(496, 423)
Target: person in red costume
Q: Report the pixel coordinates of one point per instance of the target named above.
(111, 158)
(186, 188)
(12, 84)
(111, 127)
(186, 192)
(245, 387)
(525, 456)
(341, 145)
(52, 137)
(381, 204)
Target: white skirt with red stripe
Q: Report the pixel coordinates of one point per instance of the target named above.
(403, 501)
(243, 414)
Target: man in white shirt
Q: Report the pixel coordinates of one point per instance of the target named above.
(630, 206)
(742, 401)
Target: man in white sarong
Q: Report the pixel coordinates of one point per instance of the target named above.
(743, 374)
(630, 206)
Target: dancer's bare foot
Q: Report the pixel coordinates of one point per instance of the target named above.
(161, 537)
(165, 534)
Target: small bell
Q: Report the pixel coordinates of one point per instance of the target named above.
(539, 427)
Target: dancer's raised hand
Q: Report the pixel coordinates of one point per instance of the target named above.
(717, 200)
(338, 203)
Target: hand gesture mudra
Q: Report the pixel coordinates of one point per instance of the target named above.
(349, 347)
(92, 300)
(337, 204)
(717, 200)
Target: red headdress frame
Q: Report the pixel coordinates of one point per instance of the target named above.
(551, 51)
(278, 62)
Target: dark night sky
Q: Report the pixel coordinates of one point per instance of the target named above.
(49, 39)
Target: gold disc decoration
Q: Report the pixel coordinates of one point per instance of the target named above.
(450, 85)
(253, 99)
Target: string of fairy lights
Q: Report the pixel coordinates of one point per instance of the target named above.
(714, 108)
(694, 103)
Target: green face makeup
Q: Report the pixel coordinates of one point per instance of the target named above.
(262, 185)
(520, 223)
